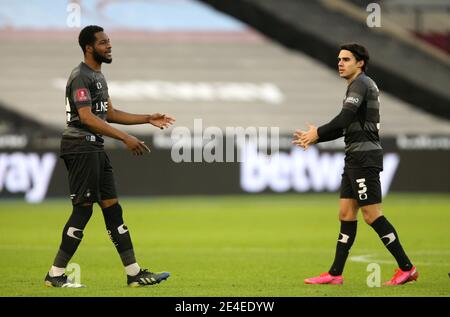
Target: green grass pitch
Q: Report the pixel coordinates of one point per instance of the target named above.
(227, 246)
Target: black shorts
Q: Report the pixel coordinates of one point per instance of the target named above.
(362, 184)
(91, 177)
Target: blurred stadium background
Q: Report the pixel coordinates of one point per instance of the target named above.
(242, 63)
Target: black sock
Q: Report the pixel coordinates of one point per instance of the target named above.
(345, 242)
(119, 234)
(390, 239)
(72, 234)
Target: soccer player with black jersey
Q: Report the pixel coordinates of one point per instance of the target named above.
(91, 179)
(358, 122)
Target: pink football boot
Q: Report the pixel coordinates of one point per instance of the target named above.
(325, 278)
(401, 277)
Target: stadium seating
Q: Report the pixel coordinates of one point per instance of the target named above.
(227, 78)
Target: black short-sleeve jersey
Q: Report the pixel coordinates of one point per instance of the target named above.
(85, 88)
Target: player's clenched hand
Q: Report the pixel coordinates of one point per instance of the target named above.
(161, 121)
(135, 145)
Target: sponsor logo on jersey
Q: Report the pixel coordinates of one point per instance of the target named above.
(353, 100)
(82, 94)
(101, 107)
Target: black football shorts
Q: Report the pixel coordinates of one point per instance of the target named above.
(362, 184)
(91, 177)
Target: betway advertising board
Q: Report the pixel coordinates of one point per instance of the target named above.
(33, 172)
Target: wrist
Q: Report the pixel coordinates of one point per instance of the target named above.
(123, 137)
(316, 134)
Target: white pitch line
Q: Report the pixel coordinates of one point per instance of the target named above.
(369, 258)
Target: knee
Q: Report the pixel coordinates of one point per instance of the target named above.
(108, 203)
(347, 215)
(370, 215)
(367, 218)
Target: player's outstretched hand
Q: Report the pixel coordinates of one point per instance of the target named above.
(161, 121)
(309, 137)
(306, 138)
(297, 139)
(135, 145)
